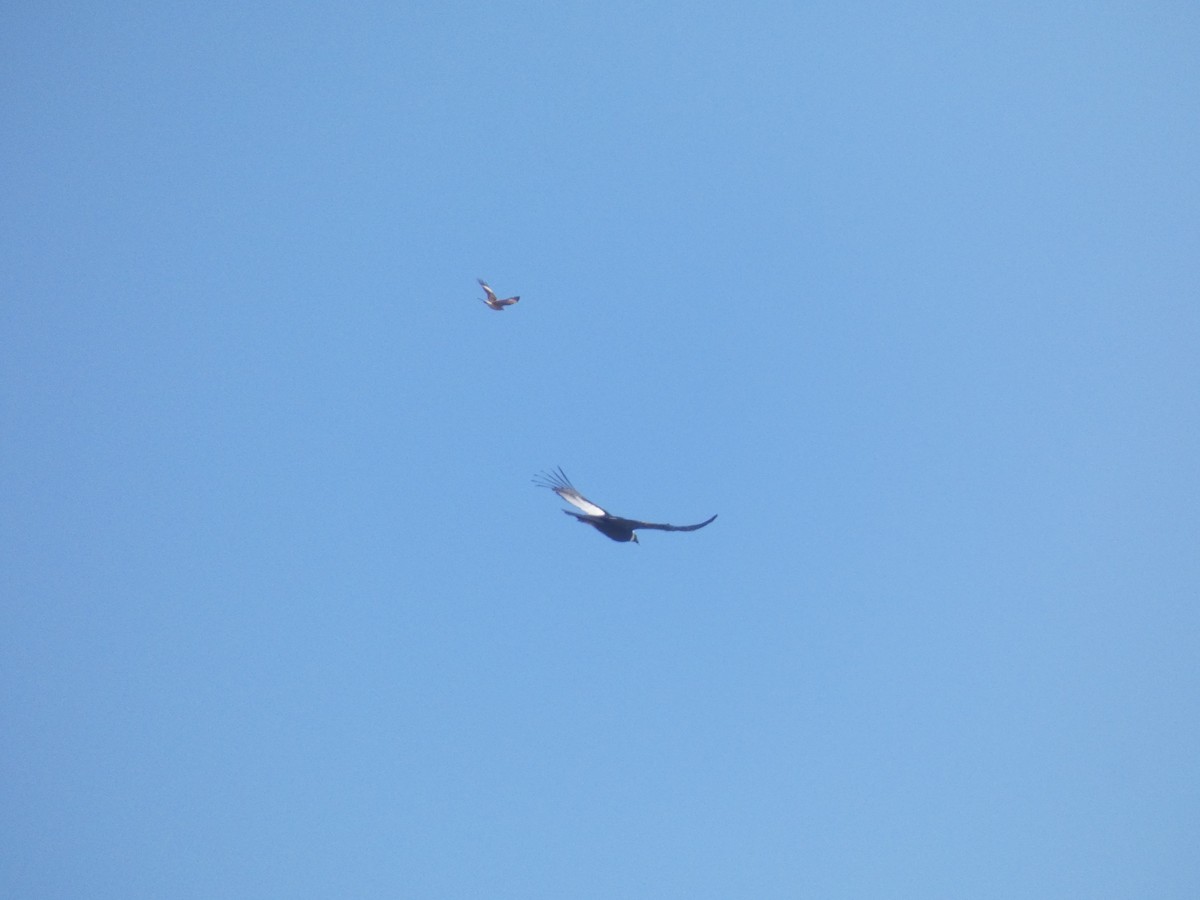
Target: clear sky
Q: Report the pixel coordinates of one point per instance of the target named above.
(906, 293)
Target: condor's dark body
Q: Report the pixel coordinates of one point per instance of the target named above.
(624, 529)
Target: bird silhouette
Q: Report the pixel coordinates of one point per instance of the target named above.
(617, 528)
(491, 299)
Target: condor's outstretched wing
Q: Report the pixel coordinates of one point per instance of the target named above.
(491, 295)
(635, 524)
(558, 482)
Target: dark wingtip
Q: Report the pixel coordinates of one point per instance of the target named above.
(548, 479)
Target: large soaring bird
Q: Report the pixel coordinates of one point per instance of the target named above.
(491, 299)
(615, 527)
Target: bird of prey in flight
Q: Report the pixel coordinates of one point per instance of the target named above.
(491, 299)
(614, 527)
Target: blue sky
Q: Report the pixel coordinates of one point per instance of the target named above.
(907, 295)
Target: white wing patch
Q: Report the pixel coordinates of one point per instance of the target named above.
(580, 502)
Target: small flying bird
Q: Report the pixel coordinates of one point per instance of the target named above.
(615, 527)
(491, 299)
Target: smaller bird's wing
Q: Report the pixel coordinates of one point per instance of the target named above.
(558, 482)
(508, 301)
(487, 290)
(634, 524)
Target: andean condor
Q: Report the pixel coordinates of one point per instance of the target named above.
(615, 527)
(491, 299)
